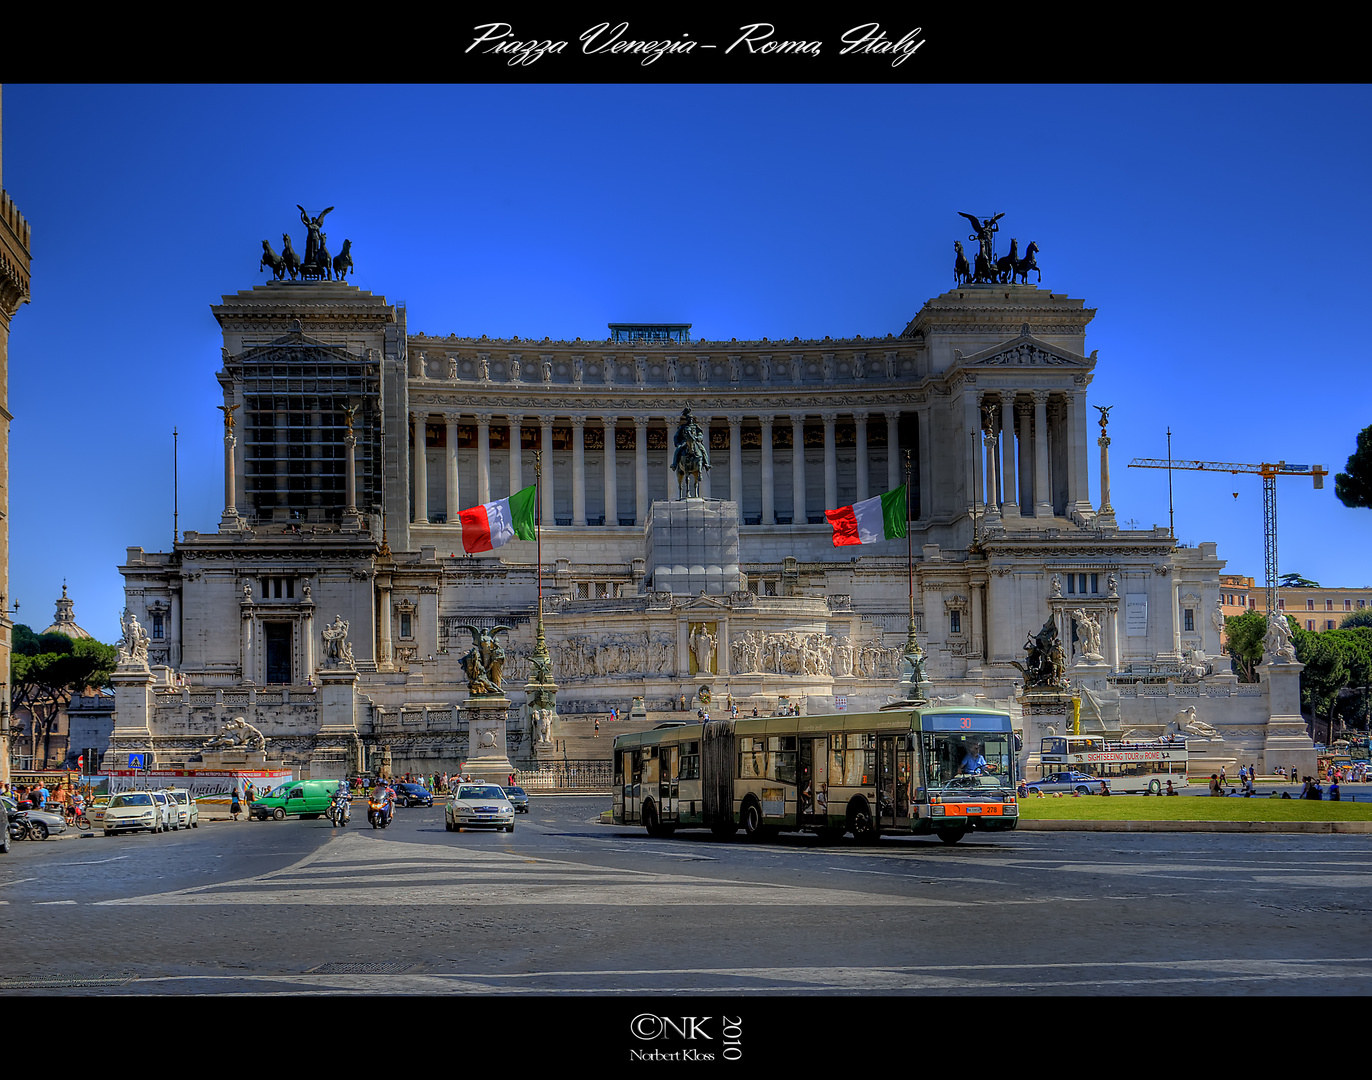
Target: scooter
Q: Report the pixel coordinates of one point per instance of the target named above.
(378, 813)
(18, 824)
(339, 811)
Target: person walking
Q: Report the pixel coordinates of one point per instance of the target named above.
(597, 727)
(235, 807)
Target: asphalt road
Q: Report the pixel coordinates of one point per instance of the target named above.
(567, 905)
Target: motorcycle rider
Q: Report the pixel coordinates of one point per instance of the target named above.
(384, 794)
(342, 805)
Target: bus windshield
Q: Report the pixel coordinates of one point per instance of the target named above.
(968, 761)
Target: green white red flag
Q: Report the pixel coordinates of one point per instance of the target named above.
(868, 522)
(497, 523)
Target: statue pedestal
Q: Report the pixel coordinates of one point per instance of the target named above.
(337, 700)
(487, 759)
(132, 734)
(1287, 743)
(1091, 671)
(541, 699)
(237, 760)
(1043, 710)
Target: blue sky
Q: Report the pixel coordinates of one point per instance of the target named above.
(1219, 231)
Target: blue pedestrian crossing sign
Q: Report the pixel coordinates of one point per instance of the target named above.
(135, 761)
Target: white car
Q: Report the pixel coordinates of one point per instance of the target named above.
(187, 810)
(168, 808)
(478, 806)
(130, 811)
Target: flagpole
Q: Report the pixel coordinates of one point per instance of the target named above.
(909, 555)
(540, 646)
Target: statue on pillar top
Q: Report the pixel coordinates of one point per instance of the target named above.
(692, 454)
(486, 660)
(337, 651)
(133, 646)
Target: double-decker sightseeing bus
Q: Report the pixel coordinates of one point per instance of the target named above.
(908, 770)
(1140, 768)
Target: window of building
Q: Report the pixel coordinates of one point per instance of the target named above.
(1188, 620)
(1310, 624)
(157, 627)
(406, 625)
(1310, 605)
(1348, 605)
(1329, 624)
(1329, 605)
(955, 622)
(1281, 605)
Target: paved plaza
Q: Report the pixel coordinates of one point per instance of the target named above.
(566, 905)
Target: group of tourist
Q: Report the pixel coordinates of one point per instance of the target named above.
(62, 798)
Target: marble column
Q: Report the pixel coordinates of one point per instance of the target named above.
(516, 453)
(450, 468)
(895, 460)
(421, 472)
(769, 516)
(1079, 451)
(545, 482)
(924, 461)
(640, 471)
(992, 488)
(383, 652)
(672, 489)
(1024, 412)
(798, 514)
(1106, 517)
(706, 473)
(483, 458)
(970, 450)
(830, 420)
(174, 624)
(611, 481)
(230, 486)
(736, 463)
(860, 421)
(579, 470)
(1009, 509)
(1043, 496)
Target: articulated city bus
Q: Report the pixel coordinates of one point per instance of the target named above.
(916, 771)
(1129, 767)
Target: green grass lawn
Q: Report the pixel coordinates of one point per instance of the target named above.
(1189, 808)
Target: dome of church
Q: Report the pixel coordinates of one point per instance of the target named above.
(63, 622)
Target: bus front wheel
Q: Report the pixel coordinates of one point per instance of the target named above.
(952, 836)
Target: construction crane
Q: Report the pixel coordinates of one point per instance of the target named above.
(1269, 472)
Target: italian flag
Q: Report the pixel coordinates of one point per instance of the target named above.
(882, 518)
(497, 523)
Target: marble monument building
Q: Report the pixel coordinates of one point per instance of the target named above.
(352, 441)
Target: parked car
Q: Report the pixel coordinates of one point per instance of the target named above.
(519, 799)
(413, 795)
(130, 811)
(168, 809)
(42, 823)
(1068, 781)
(95, 810)
(187, 810)
(478, 805)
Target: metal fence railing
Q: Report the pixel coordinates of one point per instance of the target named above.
(567, 775)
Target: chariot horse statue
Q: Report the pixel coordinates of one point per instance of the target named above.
(692, 455)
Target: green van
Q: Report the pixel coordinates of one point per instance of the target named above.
(303, 798)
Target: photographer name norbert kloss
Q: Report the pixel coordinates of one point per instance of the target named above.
(755, 39)
(670, 1055)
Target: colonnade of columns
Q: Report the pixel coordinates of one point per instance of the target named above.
(1035, 463)
(732, 465)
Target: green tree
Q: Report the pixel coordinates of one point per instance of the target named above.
(1354, 487)
(1243, 637)
(1296, 581)
(46, 670)
(1355, 619)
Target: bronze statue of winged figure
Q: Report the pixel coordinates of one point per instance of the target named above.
(486, 660)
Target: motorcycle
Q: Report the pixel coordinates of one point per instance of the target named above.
(378, 813)
(18, 824)
(340, 811)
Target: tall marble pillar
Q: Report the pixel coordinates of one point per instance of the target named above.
(1009, 500)
(640, 470)
(895, 461)
(1106, 517)
(798, 513)
(579, 470)
(1079, 462)
(516, 453)
(483, 458)
(769, 515)
(861, 480)
(421, 472)
(383, 645)
(705, 474)
(1024, 413)
(736, 462)
(545, 443)
(230, 516)
(611, 479)
(451, 485)
(830, 461)
(1043, 496)
(992, 488)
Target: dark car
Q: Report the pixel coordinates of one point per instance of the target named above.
(519, 799)
(1068, 781)
(413, 795)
